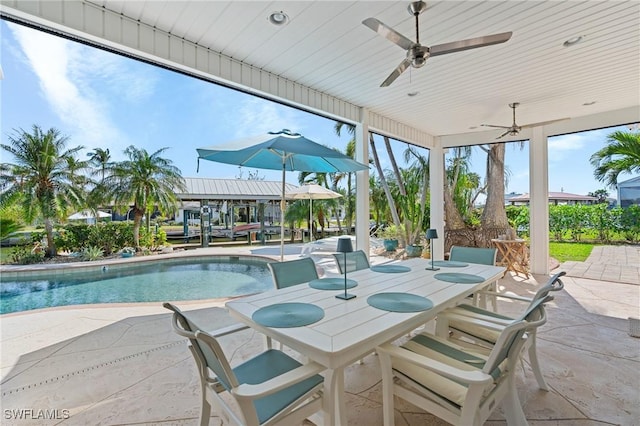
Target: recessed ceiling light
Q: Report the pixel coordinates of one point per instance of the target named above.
(572, 41)
(412, 94)
(279, 18)
(589, 103)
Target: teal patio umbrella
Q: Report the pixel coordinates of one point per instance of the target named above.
(284, 151)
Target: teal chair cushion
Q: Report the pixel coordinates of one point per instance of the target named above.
(293, 272)
(483, 256)
(356, 261)
(266, 366)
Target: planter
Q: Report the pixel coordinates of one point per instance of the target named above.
(413, 250)
(390, 245)
(126, 254)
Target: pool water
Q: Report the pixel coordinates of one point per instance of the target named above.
(152, 282)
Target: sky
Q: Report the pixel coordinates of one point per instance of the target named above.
(102, 100)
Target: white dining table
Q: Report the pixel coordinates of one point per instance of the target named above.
(352, 329)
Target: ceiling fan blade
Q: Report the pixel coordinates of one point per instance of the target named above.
(396, 73)
(504, 134)
(388, 33)
(471, 43)
(543, 123)
(498, 127)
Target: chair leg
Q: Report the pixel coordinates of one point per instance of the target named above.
(512, 407)
(205, 408)
(535, 365)
(387, 390)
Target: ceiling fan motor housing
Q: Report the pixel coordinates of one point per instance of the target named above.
(418, 56)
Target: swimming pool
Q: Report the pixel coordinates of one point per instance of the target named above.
(157, 281)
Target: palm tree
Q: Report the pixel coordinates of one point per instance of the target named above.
(148, 180)
(622, 154)
(40, 177)
(100, 159)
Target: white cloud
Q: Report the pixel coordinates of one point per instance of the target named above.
(561, 147)
(256, 116)
(67, 74)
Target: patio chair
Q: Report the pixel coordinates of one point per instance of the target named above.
(269, 389)
(469, 321)
(483, 256)
(356, 260)
(293, 272)
(459, 386)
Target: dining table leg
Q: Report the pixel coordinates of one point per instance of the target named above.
(334, 404)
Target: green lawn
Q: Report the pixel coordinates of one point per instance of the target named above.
(570, 251)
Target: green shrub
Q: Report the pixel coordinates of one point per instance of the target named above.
(24, 255)
(92, 253)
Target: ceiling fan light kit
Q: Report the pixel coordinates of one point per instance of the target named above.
(417, 54)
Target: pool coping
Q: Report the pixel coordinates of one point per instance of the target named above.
(12, 272)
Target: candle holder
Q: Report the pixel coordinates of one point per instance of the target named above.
(431, 235)
(345, 246)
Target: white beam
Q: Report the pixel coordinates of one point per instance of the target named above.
(362, 183)
(539, 202)
(573, 125)
(436, 205)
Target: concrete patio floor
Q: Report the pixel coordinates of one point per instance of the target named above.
(122, 364)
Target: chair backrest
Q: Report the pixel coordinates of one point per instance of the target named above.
(481, 255)
(511, 339)
(293, 272)
(356, 260)
(554, 284)
(208, 353)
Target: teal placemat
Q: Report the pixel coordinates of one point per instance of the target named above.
(449, 263)
(399, 302)
(391, 269)
(332, 284)
(285, 315)
(458, 277)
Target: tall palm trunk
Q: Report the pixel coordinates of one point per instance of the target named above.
(383, 182)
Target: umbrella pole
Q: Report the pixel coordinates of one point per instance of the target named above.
(310, 219)
(282, 213)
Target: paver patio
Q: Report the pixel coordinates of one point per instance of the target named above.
(122, 364)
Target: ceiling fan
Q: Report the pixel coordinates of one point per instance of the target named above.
(418, 54)
(514, 129)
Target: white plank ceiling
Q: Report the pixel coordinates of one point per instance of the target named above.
(326, 47)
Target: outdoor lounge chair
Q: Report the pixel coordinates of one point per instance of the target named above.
(293, 272)
(453, 383)
(480, 255)
(469, 321)
(270, 389)
(356, 260)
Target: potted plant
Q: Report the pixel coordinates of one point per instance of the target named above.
(128, 252)
(389, 235)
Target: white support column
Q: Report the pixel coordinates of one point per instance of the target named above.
(436, 188)
(362, 183)
(539, 201)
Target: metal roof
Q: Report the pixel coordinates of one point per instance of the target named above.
(232, 189)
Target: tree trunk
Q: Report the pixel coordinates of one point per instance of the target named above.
(494, 214)
(383, 182)
(137, 221)
(51, 245)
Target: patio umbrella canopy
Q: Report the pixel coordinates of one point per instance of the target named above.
(311, 192)
(284, 151)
